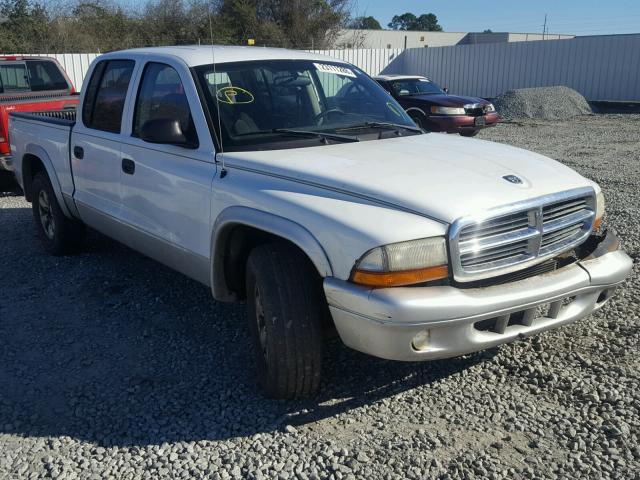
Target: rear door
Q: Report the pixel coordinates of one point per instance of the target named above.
(166, 189)
(96, 141)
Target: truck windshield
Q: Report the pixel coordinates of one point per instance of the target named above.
(273, 104)
(416, 86)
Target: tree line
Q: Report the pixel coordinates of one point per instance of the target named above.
(427, 22)
(28, 26)
(47, 26)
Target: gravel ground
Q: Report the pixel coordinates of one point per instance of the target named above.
(112, 366)
(542, 103)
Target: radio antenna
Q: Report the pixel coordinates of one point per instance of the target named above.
(223, 170)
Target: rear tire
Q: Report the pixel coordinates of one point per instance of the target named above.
(469, 133)
(58, 233)
(284, 307)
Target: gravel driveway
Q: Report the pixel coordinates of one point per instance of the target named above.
(113, 366)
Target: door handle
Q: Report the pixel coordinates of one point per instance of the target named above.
(128, 166)
(78, 152)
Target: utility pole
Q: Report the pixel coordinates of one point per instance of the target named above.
(544, 27)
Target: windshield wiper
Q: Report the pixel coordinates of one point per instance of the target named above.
(322, 135)
(395, 126)
(302, 133)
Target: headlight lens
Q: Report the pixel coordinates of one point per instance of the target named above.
(404, 263)
(447, 110)
(599, 210)
(490, 108)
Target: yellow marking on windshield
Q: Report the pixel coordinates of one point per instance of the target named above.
(234, 95)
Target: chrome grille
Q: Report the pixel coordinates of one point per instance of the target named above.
(518, 236)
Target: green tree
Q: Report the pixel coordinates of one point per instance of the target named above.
(427, 22)
(25, 26)
(284, 23)
(365, 23)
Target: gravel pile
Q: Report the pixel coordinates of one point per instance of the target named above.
(112, 366)
(544, 103)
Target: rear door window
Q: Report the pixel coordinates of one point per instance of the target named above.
(14, 77)
(106, 95)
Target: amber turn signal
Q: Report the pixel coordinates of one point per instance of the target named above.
(401, 278)
(597, 224)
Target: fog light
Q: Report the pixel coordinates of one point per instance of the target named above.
(421, 340)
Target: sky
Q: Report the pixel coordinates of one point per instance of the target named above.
(579, 17)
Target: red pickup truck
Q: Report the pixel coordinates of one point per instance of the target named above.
(29, 84)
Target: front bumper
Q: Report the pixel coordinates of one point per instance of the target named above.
(457, 123)
(385, 322)
(6, 163)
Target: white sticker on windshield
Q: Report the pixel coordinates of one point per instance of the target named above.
(336, 70)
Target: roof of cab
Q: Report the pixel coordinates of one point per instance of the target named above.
(194, 55)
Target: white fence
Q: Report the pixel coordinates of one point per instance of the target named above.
(371, 60)
(599, 67)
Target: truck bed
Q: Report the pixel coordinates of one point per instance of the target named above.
(49, 133)
(65, 117)
(34, 97)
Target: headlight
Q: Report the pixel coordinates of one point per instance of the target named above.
(490, 108)
(448, 110)
(599, 210)
(404, 263)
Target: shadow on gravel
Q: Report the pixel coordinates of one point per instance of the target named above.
(110, 347)
(8, 184)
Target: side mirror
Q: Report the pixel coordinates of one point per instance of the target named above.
(445, 89)
(403, 92)
(164, 131)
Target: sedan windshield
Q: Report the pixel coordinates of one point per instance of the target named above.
(273, 104)
(416, 86)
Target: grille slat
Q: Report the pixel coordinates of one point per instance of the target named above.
(521, 246)
(557, 237)
(576, 218)
(491, 230)
(488, 243)
(549, 209)
(521, 217)
(497, 245)
(562, 213)
(495, 260)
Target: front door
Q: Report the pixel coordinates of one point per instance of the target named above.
(166, 188)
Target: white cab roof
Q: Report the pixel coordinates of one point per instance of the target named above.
(194, 55)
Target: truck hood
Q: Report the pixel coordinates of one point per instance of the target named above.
(443, 177)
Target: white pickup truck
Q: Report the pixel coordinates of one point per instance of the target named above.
(294, 182)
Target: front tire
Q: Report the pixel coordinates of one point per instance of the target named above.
(284, 306)
(58, 234)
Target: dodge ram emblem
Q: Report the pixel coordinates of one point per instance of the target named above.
(513, 179)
